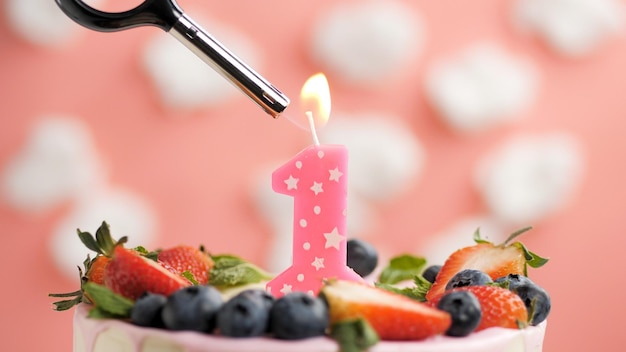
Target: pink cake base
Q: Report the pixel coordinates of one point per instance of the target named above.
(92, 335)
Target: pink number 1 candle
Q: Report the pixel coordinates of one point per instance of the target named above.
(317, 180)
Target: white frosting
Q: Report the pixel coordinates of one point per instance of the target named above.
(91, 335)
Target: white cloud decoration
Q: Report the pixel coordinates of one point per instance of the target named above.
(58, 162)
(482, 87)
(572, 27)
(183, 80)
(41, 22)
(367, 41)
(530, 176)
(126, 213)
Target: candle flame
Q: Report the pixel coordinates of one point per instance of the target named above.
(315, 99)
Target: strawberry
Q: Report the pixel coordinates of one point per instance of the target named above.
(181, 259)
(495, 260)
(131, 275)
(391, 315)
(103, 244)
(95, 273)
(500, 307)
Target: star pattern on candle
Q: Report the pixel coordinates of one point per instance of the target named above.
(316, 179)
(333, 239)
(286, 289)
(335, 174)
(318, 263)
(292, 182)
(317, 188)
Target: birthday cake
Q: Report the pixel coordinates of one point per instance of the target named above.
(183, 299)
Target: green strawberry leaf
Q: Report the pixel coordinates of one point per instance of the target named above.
(87, 239)
(401, 268)
(103, 243)
(417, 292)
(141, 250)
(536, 261)
(355, 335)
(76, 297)
(108, 304)
(532, 259)
(189, 276)
(104, 239)
(152, 255)
(229, 271)
(478, 238)
(421, 287)
(517, 233)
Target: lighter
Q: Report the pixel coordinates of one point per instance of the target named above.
(167, 15)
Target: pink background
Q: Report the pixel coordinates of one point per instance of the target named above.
(195, 167)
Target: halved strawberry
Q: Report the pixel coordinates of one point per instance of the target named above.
(95, 273)
(495, 260)
(183, 258)
(131, 275)
(499, 306)
(103, 244)
(393, 316)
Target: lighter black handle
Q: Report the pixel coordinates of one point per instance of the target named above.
(158, 13)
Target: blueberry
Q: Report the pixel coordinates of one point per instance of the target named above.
(267, 299)
(298, 315)
(147, 310)
(464, 310)
(535, 298)
(192, 308)
(430, 274)
(468, 277)
(362, 257)
(246, 314)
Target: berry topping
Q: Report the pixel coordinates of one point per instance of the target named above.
(104, 245)
(298, 315)
(499, 307)
(187, 259)
(391, 315)
(131, 275)
(95, 272)
(535, 298)
(464, 309)
(468, 277)
(495, 260)
(192, 308)
(147, 310)
(362, 257)
(179, 289)
(431, 272)
(246, 314)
